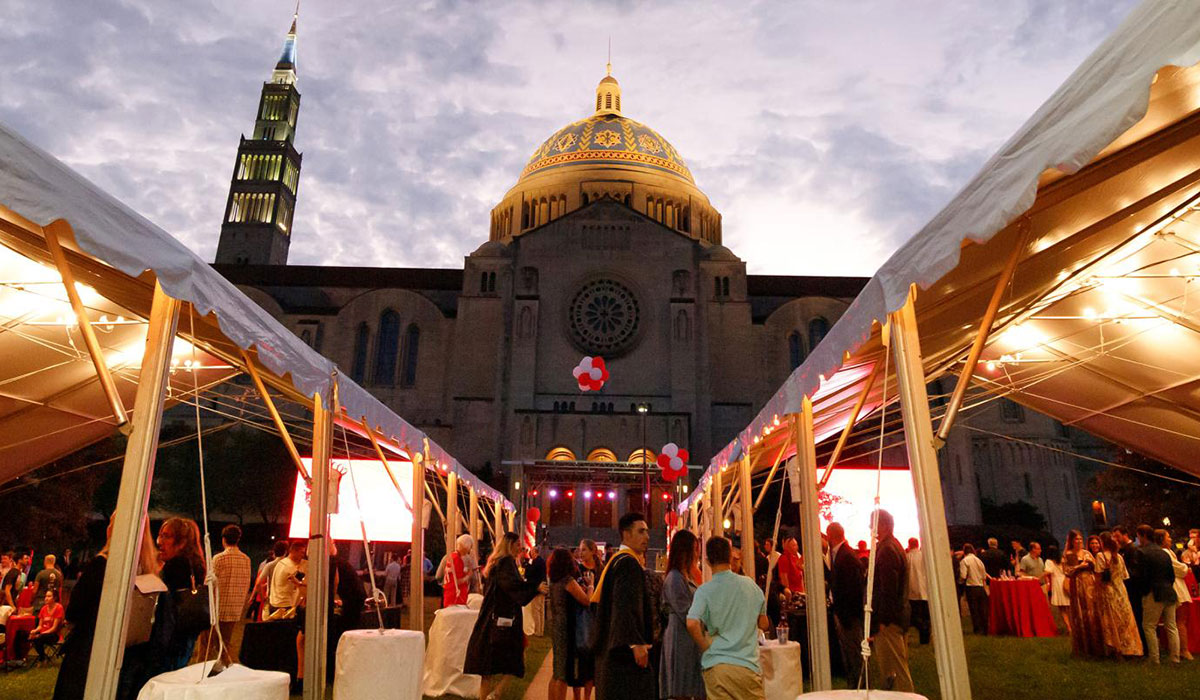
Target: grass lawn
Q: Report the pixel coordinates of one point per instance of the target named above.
(1001, 667)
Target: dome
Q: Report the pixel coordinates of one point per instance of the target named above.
(608, 139)
(606, 156)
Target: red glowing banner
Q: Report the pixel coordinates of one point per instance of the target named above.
(385, 513)
(849, 498)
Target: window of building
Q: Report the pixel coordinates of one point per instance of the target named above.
(602, 454)
(818, 328)
(560, 454)
(412, 344)
(358, 367)
(562, 508)
(640, 456)
(795, 350)
(311, 333)
(1011, 411)
(387, 347)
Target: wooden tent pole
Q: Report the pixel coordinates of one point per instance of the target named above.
(278, 420)
(810, 538)
(931, 509)
(416, 566)
(473, 520)
(129, 518)
(747, 504)
(452, 520)
(316, 622)
(718, 520)
(762, 493)
(85, 325)
(498, 532)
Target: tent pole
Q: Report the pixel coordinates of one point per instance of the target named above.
(108, 645)
(747, 503)
(985, 329)
(762, 493)
(473, 520)
(718, 521)
(452, 519)
(85, 326)
(317, 620)
(810, 536)
(841, 443)
(436, 506)
(931, 510)
(416, 566)
(706, 533)
(499, 528)
(693, 518)
(278, 420)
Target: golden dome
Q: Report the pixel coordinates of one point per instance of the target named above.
(606, 156)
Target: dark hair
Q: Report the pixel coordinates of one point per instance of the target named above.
(1120, 529)
(280, 549)
(561, 564)
(683, 552)
(1145, 532)
(718, 550)
(186, 534)
(1071, 535)
(1052, 553)
(886, 522)
(53, 592)
(231, 535)
(1108, 543)
(297, 544)
(968, 548)
(1160, 537)
(628, 520)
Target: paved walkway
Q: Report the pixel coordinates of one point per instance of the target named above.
(539, 687)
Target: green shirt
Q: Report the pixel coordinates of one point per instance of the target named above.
(729, 606)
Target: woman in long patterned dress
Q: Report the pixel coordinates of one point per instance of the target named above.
(1087, 638)
(1119, 629)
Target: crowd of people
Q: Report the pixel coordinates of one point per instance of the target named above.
(1112, 590)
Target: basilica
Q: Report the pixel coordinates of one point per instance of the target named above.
(605, 246)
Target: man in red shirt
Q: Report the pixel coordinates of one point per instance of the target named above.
(791, 567)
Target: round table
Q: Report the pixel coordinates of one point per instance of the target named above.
(780, 663)
(447, 652)
(1019, 607)
(236, 683)
(383, 664)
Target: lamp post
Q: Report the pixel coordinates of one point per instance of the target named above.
(643, 409)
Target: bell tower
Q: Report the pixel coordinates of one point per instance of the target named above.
(257, 226)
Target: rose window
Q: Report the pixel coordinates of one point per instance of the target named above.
(604, 317)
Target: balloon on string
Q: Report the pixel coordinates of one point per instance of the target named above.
(672, 460)
(533, 515)
(671, 518)
(590, 373)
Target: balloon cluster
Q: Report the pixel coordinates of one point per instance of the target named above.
(591, 373)
(672, 460)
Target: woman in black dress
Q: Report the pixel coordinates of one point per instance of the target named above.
(572, 669)
(497, 645)
(183, 570)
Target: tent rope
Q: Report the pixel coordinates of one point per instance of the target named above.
(864, 675)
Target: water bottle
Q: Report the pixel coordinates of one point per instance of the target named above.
(781, 632)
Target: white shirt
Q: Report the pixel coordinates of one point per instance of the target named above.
(284, 592)
(918, 589)
(971, 569)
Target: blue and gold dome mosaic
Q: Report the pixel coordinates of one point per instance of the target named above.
(608, 139)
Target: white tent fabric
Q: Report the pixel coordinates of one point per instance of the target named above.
(1097, 116)
(38, 187)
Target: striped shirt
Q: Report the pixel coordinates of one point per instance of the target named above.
(232, 569)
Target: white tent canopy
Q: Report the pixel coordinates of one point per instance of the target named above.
(1095, 326)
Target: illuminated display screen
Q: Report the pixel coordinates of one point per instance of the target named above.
(849, 498)
(385, 514)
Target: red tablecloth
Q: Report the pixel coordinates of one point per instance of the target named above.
(18, 623)
(1020, 608)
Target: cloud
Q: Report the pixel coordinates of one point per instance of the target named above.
(826, 133)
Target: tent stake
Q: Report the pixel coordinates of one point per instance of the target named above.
(810, 536)
(931, 509)
(108, 645)
(317, 620)
(85, 326)
(985, 329)
(276, 418)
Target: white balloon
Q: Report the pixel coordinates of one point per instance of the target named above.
(676, 464)
(595, 374)
(577, 371)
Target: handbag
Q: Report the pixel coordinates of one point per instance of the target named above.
(191, 609)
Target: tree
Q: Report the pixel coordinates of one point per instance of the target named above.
(1147, 495)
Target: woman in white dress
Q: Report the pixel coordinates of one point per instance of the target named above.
(1059, 599)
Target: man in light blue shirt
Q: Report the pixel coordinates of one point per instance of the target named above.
(724, 618)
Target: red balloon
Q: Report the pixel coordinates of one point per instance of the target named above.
(533, 515)
(671, 518)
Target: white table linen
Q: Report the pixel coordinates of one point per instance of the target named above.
(379, 665)
(783, 677)
(860, 695)
(235, 683)
(447, 652)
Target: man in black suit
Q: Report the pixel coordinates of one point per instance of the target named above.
(1135, 585)
(1160, 601)
(994, 559)
(848, 585)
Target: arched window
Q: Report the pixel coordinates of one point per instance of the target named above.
(412, 344)
(560, 454)
(601, 454)
(358, 366)
(817, 330)
(387, 346)
(491, 281)
(795, 350)
(642, 456)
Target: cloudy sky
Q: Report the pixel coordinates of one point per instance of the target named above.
(825, 132)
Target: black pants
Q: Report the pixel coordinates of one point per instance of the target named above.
(1135, 602)
(977, 601)
(850, 636)
(920, 618)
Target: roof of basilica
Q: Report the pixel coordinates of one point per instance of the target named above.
(608, 139)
